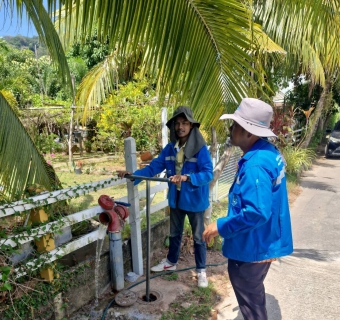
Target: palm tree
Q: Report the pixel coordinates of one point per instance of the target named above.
(198, 51)
(20, 166)
(24, 166)
(203, 53)
(309, 31)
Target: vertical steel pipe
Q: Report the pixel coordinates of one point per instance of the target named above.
(117, 262)
(148, 227)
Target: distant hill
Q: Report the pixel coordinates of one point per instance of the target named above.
(22, 42)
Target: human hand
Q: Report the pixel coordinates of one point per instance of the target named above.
(177, 179)
(121, 174)
(210, 232)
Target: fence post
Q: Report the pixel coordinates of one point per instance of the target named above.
(164, 127)
(164, 142)
(133, 199)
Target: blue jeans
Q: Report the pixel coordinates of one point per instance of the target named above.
(196, 219)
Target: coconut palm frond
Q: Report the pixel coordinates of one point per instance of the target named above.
(10, 98)
(97, 83)
(198, 50)
(267, 54)
(265, 44)
(304, 28)
(20, 161)
(312, 64)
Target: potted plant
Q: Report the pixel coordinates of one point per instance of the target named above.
(77, 166)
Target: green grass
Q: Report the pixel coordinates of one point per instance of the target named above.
(196, 304)
(102, 168)
(170, 277)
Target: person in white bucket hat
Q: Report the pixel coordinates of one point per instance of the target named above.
(257, 228)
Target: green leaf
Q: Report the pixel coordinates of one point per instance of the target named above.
(28, 164)
(6, 269)
(6, 287)
(199, 51)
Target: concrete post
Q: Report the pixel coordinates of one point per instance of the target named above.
(164, 127)
(133, 199)
(45, 243)
(165, 141)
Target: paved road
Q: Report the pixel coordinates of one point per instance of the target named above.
(306, 285)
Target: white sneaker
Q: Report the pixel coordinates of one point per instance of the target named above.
(163, 266)
(202, 279)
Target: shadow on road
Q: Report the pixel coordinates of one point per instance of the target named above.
(273, 309)
(317, 185)
(317, 255)
(320, 163)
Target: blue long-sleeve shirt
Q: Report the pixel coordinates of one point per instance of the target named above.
(257, 226)
(194, 195)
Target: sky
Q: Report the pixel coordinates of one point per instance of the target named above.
(13, 27)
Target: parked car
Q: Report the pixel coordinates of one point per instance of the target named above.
(332, 147)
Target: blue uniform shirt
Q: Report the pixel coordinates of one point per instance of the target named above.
(257, 226)
(194, 195)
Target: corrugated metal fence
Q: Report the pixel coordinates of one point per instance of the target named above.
(223, 184)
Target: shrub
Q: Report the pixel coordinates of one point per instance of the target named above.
(132, 111)
(298, 159)
(46, 143)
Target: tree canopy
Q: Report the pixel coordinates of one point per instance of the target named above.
(206, 54)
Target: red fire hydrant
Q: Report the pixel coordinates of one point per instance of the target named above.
(114, 215)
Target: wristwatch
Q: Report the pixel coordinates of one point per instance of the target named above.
(188, 177)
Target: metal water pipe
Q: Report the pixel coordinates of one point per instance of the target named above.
(114, 216)
(148, 225)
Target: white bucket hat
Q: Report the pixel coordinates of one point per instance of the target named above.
(254, 116)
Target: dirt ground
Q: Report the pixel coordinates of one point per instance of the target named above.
(165, 290)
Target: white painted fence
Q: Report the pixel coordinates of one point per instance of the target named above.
(48, 198)
(51, 197)
(294, 137)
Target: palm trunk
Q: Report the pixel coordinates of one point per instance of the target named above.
(223, 161)
(317, 113)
